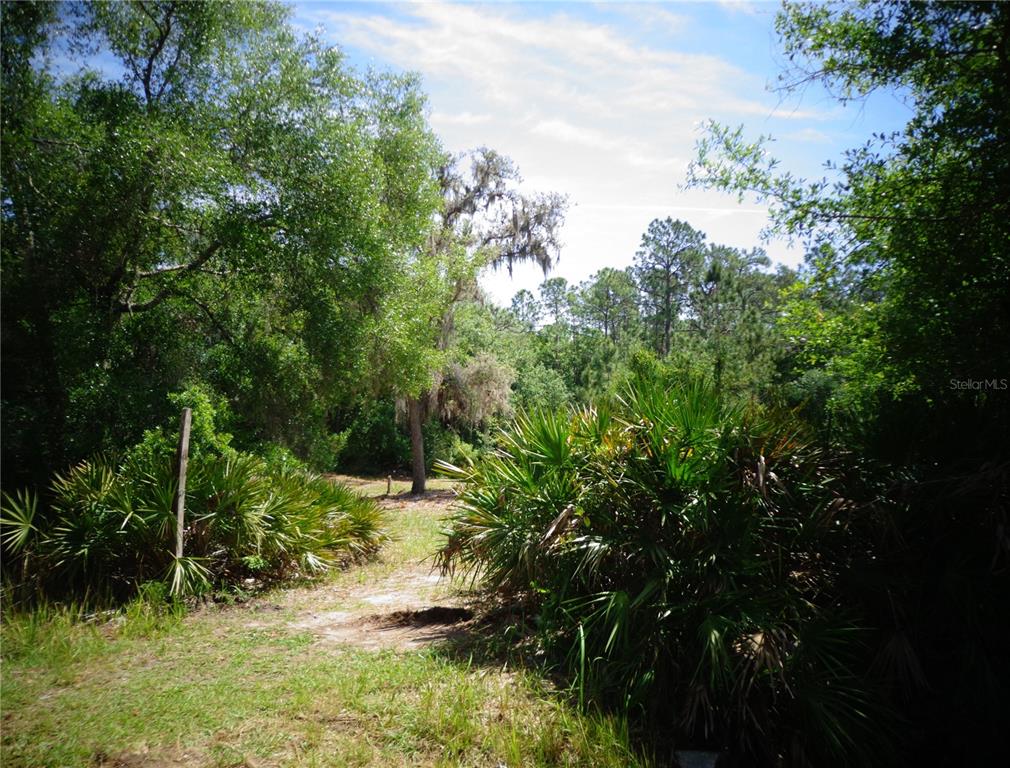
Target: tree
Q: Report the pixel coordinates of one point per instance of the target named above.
(916, 220)
(526, 308)
(485, 222)
(664, 265)
(483, 329)
(236, 201)
(905, 301)
(555, 298)
(731, 308)
(608, 302)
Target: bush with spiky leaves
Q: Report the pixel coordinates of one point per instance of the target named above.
(109, 527)
(688, 559)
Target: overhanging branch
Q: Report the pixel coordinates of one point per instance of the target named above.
(205, 256)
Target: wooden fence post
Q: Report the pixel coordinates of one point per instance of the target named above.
(182, 458)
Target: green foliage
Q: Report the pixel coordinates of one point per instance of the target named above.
(910, 231)
(110, 526)
(688, 558)
(485, 222)
(898, 332)
(667, 263)
(483, 329)
(229, 214)
(279, 459)
(699, 307)
(462, 453)
(209, 411)
(837, 348)
(438, 443)
(608, 303)
(444, 444)
(375, 442)
(20, 513)
(540, 387)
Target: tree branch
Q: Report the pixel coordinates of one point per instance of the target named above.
(210, 316)
(158, 47)
(205, 256)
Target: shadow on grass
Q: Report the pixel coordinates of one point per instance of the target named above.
(495, 633)
(502, 634)
(433, 495)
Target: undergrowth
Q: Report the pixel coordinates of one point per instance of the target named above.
(107, 526)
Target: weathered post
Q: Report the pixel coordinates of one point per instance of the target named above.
(389, 484)
(182, 458)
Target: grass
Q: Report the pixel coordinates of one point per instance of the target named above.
(244, 686)
(376, 486)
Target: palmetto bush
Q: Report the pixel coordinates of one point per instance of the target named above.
(689, 560)
(109, 526)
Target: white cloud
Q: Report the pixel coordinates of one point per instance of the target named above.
(566, 132)
(583, 107)
(458, 118)
(651, 16)
(747, 7)
(782, 111)
(807, 135)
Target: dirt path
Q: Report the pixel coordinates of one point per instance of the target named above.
(335, 672)
(399, 602)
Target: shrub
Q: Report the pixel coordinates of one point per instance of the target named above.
(280, 458)
(205, 438)
(438, 442)
(326, 448)
(537, 386)
(109, 526)
(687, 558)
(375, 443)
(462, 453)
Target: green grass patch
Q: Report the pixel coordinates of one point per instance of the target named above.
(244, 685)
(400, 486)
(217, 692)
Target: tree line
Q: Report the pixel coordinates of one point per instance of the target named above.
(682, 299)
(229, 210)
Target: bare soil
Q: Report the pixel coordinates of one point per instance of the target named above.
(412, 606)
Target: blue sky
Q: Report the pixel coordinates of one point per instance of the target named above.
(602, 102)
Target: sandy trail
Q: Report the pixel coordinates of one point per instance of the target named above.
(401, 604)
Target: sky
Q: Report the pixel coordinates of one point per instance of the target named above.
(603, 102)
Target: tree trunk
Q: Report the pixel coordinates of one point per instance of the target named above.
(415, 409)
(667, 311)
